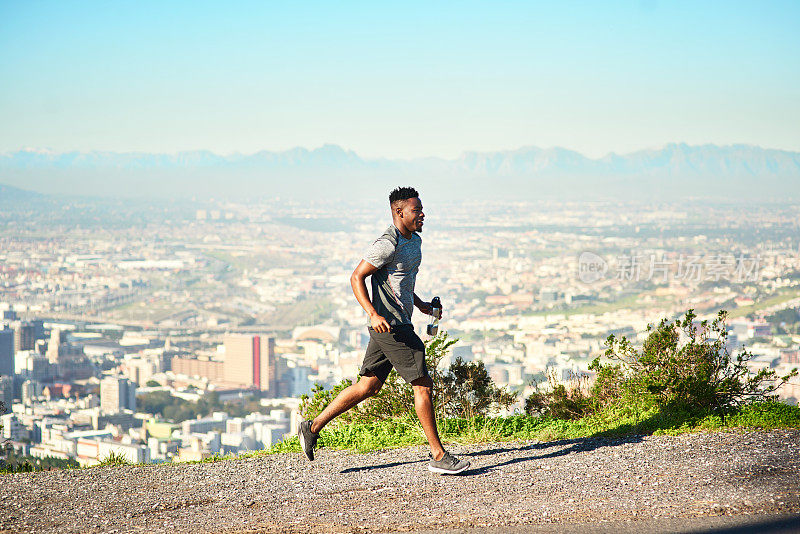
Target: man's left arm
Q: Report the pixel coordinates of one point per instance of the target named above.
(424, 307)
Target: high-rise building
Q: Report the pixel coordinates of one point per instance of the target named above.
(54, 347)
(6, 393)
(250, 361)
(117, 394)
(205, 368)
(74, 367)
(38, 328)
(6, 352)
(29, 391)
(24, 336)
(11, 428)
(32, 365)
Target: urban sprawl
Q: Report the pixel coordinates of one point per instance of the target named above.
(175, 332)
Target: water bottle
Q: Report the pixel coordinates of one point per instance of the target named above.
(436, 314)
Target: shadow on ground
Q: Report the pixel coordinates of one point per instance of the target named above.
(742, 524)
(568, 446)
(767, 526)
(379, 466)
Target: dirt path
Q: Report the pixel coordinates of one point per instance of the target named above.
(528, 485)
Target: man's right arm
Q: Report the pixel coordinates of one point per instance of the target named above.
(357, 282)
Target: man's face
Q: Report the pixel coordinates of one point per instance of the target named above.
(412, 215)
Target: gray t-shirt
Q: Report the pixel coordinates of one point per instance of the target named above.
(397, 260)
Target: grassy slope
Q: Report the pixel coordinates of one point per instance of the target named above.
(613, 422)
(774, 300)
(616, 421)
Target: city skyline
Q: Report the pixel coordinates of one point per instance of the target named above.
(218, 316)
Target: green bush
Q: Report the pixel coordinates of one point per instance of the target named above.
(464, 390)
(175, 409)
(561, 400)
(467, 390)
(682, 368)
(114, 460)
(697, 374)
(312, 406)
(766, 415)
(13, 463)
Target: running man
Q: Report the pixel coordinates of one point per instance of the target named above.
(392, 263)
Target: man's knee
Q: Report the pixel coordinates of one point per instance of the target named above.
(423, 386)
(370, 385)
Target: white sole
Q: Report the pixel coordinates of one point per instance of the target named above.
(446, 471)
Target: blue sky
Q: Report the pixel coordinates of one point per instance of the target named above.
(397, 79)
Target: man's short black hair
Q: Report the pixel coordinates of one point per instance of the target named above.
(402, 193)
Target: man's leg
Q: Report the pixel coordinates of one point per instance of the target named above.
(423, 404)
(442, 461)
(368, 386)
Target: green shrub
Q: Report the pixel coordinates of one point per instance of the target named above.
(766, 415)
(561, 400)
(464, 390)
(312, 406)
(467, 390)
(699, 374)
(114, 460)
(13, 463)
(26, 465)
(683, 369)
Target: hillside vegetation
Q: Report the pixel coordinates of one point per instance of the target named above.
(683, 379)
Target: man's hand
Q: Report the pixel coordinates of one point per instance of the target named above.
(379, 324)
(425, 307)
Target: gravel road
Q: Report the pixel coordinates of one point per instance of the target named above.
(528, 485)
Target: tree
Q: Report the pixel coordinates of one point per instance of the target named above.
(467, 390)
(175, 409)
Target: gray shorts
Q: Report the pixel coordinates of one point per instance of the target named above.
(401, 348)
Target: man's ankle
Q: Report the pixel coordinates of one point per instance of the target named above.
(437, 455)
(312, 427)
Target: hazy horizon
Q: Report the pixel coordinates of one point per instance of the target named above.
(312, 148)
(674, 171)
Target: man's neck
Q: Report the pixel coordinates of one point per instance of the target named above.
(403, 231)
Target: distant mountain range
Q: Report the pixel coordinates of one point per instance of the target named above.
(672, 172)
(14, 194)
